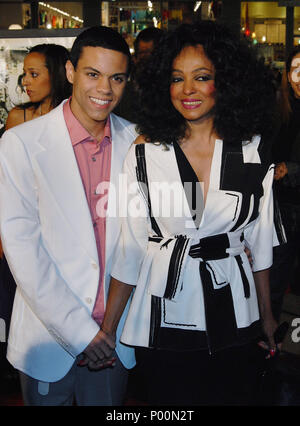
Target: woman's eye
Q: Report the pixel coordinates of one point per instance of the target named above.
(176, 79)
(34, 74)
(204, 78)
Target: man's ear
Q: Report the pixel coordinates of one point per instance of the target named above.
(70, 71)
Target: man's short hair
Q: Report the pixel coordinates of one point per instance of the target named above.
(148, 34)
(99, 36)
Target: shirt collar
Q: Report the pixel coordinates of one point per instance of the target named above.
(76, 130)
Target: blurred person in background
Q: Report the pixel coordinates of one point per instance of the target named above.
(45, 82)
(144, 44)
(285, 271)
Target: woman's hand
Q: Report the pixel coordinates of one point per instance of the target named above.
(99, 353)
(249, 255)
(269, 326)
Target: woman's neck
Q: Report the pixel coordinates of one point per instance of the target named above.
(200, 134)
(45, 106)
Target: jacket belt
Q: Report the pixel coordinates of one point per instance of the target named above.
(218, 247)
(221, 327)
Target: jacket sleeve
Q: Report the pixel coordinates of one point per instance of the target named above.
(260, 234)
(133, 241)
(36, 274)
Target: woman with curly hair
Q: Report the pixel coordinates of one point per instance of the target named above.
(45, 82)
(198, 191)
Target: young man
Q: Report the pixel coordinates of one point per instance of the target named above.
(58, 242)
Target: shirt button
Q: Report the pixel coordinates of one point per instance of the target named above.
(94, 265)
(88, 300)
(94, 159)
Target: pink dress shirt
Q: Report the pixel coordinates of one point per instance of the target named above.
(93, 159)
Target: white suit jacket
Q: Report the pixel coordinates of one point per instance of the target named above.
(49, 241)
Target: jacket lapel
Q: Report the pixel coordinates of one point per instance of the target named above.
(121, 140)
(59, 168)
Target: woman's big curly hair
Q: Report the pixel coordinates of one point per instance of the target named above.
(245, 96)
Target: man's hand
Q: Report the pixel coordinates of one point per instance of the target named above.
(98, 354)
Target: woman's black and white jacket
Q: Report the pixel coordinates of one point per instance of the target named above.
(185, 280)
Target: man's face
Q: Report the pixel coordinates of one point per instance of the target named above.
(98, 84)
(145, 48)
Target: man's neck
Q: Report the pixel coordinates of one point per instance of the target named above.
(96, 131)
(93, 127)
